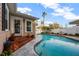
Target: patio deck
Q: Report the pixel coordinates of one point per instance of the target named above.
(27, 49)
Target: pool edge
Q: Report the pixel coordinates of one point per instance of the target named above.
(35, 46)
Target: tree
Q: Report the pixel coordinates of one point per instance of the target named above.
(54, 26)
(43, 28)
(43, 15)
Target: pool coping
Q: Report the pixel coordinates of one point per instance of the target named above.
(36, 45)
(74, 38)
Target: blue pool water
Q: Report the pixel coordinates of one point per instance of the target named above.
(57, 46)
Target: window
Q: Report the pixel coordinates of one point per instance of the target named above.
(28, 26)
(5, 17)
(17, 26)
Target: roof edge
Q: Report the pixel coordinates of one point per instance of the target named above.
(24, 15)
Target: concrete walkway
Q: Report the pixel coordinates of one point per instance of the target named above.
(27, 49)
(75, 38)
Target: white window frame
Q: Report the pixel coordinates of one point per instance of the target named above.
(26, 25)
(20, 24)
(7, 17)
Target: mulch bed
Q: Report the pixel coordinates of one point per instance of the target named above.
(18, 42)
(14, 43)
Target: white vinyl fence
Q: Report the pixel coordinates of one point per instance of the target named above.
(71, 30)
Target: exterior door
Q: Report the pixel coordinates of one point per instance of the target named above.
(17, 29)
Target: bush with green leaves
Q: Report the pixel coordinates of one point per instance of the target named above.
(77, 34)
(6, 53)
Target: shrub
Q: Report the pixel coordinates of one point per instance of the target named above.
(70, 34)
(57, 33)
(52, 33)
(6, 53)
(32, 36)
(44, 32)
(77, 34)
(7, 45)
(65, 34)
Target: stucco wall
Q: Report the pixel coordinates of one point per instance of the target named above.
(23, 26)
(3, 35)
(0, 16)
(33, 28)
(1, 41)
(12, 18)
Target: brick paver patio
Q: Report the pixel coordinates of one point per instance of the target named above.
(27, 49)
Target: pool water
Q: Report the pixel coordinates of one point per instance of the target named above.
(57, 46)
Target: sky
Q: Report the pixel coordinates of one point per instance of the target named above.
(61, 13)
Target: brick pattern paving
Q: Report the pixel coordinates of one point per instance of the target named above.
(27, 49)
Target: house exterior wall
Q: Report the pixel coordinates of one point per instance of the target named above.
(25, 32)
(12, 7)
(23, 26)
(34, 27)
(0, 16)
(12, 18)
(4, 35)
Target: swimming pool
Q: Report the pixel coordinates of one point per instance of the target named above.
(57, 46)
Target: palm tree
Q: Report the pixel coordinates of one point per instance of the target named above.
(43, 15)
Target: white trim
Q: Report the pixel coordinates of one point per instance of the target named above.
(26, 25)
(18, 34)
(7, 17)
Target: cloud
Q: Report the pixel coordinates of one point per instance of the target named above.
(64, 11)
(57, 1)
(24, 10)
(48, 4)
(38, 1)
